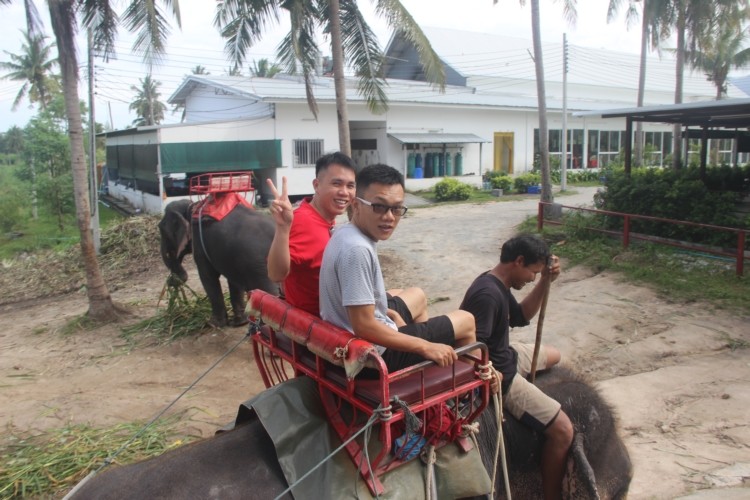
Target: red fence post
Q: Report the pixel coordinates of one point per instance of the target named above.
(540, 218)
(626, 232)
(740, 252)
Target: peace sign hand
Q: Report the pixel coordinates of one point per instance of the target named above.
(281, 207)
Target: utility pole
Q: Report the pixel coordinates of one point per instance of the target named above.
(564, 163)
(93, 187)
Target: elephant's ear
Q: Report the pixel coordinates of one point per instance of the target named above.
(175, 230)
(579, 481)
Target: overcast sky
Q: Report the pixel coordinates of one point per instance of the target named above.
(198, 43)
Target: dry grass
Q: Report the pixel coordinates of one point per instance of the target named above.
(49, 463)
(128, 248)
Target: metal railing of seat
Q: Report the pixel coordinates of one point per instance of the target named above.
(739, 255)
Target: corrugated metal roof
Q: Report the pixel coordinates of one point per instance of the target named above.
(436, 138)
(272, 90)
(730, 113)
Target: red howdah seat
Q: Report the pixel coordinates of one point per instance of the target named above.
(291, 342)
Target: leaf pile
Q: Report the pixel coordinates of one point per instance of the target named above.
(128, 248)
(56, 460)
(184, 315)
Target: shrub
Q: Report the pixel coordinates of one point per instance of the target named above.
(523, 181)
(499, 180)
(678, 195)
(452, 189)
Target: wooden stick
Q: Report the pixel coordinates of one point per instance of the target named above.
(539, 325)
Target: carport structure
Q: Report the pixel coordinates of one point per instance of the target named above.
(725, 119)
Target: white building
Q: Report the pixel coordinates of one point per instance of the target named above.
(487, 113)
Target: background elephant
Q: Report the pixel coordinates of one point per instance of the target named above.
(235, 247)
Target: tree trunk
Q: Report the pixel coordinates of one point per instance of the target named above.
(34, 197)
(641, 87)
(679, 72)
(542, 98)
(337, 52)
(63, 22)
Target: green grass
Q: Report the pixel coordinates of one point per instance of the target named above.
(676, 274)
(49, 463)
(44, 234)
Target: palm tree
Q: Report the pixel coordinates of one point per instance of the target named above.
(13, 140)
(147, 106)
(691, 19)
(655, 21)
(200, 70)
(33, 67)
(142, 17)
(263, 68)
(569, 11)
(723, 48)
(242, 23)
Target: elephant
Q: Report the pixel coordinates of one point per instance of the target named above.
(235, 247)
(241, 463)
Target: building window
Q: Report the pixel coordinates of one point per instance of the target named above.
(307, 152)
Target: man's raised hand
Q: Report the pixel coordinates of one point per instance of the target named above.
(281, 207)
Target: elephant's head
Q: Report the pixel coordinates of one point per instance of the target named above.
(174, 228)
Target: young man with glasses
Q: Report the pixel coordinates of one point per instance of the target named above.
(352, 291)
(296, 252)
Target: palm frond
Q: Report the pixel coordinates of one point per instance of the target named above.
(400, 20)
(242, 23)
(363, 53)
(145, 19)
(99, 16)
(300, 45)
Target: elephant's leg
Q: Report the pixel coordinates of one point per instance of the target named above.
(211, 284)
(237, 298)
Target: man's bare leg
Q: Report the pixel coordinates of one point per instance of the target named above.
(557, 440)
(416, 300)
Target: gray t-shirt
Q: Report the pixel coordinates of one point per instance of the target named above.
(351, 276)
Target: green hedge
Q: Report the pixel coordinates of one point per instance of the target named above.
(679, 195)
(523, 181)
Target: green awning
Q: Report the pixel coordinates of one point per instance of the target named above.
(193, 157)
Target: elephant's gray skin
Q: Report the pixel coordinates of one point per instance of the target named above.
(235, 247)
(242, 464)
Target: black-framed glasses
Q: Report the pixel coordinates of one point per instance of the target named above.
(380, 209)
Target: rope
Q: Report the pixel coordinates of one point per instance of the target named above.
(200, 234)
(412, 421)
(429, 457)
(370, 422)
(500, 446)
(112, 457)
(342, 352)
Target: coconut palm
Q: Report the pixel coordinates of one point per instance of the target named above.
(353, 43)
(723, 48)
(655, 23)
(263, 68)
(200, 70)
(33, 67)
(147, 106)
(146, 19)
(569, 12)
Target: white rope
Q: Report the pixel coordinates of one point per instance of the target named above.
(429, 457)
(373, 418)
(500, 447)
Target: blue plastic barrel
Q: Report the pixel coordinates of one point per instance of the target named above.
(459, 170)
(418, 174)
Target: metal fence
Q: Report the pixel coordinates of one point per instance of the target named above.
(739, 255)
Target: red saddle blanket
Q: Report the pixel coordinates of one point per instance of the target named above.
(218, 205)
